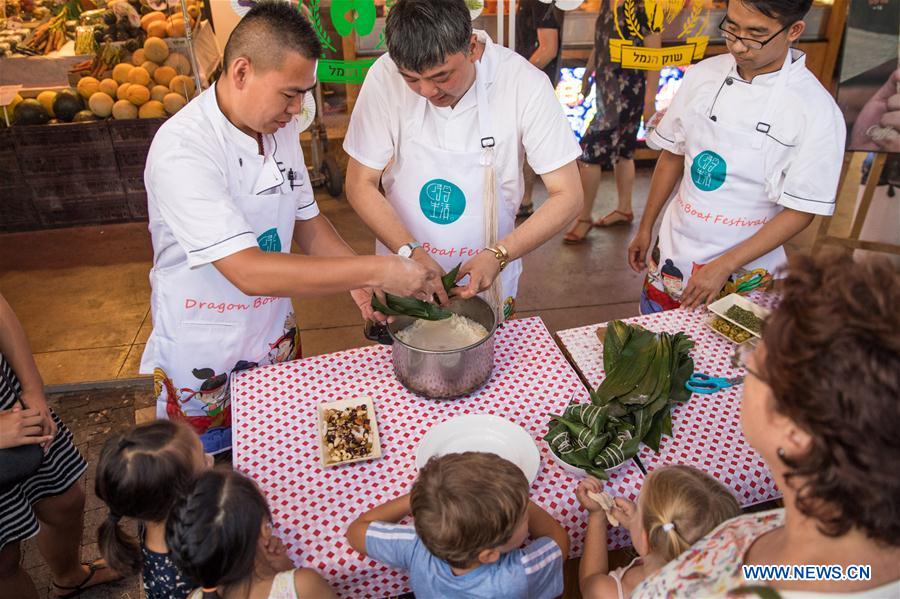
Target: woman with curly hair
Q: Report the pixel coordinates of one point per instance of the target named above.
(821, 407)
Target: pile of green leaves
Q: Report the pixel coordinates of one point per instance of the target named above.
(645, 377)
(410, 306)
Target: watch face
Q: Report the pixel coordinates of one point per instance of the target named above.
(405, 251)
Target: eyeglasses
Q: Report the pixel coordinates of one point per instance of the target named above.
(749, 42)
(741, 357)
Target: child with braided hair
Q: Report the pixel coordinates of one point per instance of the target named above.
(140, 475)
(220, 535)
(678, 506)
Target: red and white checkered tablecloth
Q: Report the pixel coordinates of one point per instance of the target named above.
(276, 443)
(706, 429)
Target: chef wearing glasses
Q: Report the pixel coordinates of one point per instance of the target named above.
(752, 147)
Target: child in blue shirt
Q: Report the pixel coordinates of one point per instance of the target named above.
(471, 516)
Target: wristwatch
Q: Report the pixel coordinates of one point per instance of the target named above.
(407, 249)
(501, 254)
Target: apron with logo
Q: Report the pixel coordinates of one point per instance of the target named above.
(450, 201)
(725, 197)
(205, 329)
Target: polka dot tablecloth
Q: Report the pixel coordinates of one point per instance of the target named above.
(276, 443)
(706, 429)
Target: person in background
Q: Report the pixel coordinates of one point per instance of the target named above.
(140, 475)
(220, 535)
(753, 147)
(678, 506)
(471, 515)
(820, 407)
(539, 29)
(611, 137)
(49, 502)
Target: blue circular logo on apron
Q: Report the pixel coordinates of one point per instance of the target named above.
(269, 241)
(708, 171)
(442, 202)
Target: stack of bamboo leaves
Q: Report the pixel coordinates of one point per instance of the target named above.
(645, 377)
(410, 306)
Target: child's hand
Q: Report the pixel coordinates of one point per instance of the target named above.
(276, 555)
(589, 485)
(624, 511)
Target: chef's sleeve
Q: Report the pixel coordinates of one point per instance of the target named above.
(547, 136)
(370, 138)
(812, 175)
(670, 133)
(190, 192)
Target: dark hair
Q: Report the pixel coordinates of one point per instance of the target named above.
(140, 475)
(463, 503)
(269, 29)
(786, 12)
(213, 531)
(421, 34)
(833, 363)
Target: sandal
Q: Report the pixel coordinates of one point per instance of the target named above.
(626, 219)
(93, 567)
(525, 210)
(572, 237)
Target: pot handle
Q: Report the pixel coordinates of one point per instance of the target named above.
(375, 331)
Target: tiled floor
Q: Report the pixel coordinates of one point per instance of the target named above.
(83, 293)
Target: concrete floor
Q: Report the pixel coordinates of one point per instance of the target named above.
(83, 293)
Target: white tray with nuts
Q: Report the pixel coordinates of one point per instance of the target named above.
(348, 431)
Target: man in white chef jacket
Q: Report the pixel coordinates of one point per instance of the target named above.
(755, 145)
(228, 193)
(444, 122)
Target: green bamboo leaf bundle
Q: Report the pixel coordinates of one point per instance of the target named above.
(645, 377)
(409, 306)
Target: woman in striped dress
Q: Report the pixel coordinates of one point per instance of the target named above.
(48, 503)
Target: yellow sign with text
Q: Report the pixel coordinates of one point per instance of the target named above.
(653, 59)
(660, 14)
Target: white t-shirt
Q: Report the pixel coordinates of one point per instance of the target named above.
(807, 134)
(526, 119)
(197, 163)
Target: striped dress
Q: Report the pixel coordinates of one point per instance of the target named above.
(61, 467)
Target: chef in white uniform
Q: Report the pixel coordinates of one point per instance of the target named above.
(444, 122)
(755, 145)
(228, 193)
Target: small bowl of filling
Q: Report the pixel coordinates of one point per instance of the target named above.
(348, 431)
(736, 318)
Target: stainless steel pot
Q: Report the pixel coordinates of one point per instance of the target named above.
(442, 374)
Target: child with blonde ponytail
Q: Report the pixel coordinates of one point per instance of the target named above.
(678, 506)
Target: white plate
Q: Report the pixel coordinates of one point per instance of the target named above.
(482, 432)
(721, 306)
(575, 470)
(342, 405)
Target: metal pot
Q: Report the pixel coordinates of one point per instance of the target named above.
(442, 374)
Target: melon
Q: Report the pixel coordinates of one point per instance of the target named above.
(46, 99)
(138, 57)
(87, 87)
(156, 29)
(109, 87)
(137, 94)
(175, 28)
(179, 62)
(164, 75)
(156, 50)
(83, 116)
(150, 67)
(31, 112)
(123, 109)
(183, 85)
(158, 92)
(101, 104)
(152, 110)
(121, 71)
(67, 104)
(17, 99)
(152, 17)
(174, 102)
(122, 92)
(139, 76)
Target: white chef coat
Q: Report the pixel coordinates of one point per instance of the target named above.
(211, 194)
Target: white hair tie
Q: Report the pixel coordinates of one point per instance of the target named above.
(668, 526)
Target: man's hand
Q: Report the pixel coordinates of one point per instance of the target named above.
(637, 251)
(705, 284)
(36, 400)
(431, 265)
(22, 427)
(482, 270)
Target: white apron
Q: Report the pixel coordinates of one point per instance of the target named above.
(205, 329)
(726, 195)
(440, 195)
